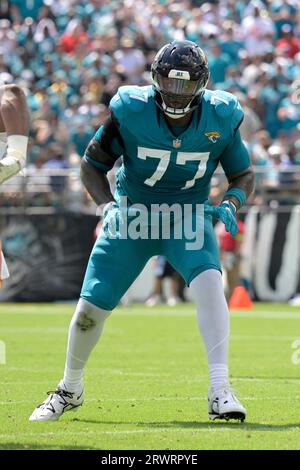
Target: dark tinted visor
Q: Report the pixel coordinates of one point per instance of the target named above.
(177, 86)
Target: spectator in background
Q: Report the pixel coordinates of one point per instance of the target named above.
(5, 10)
(57, 162)
(45, 36)
(257, 30)
(218, 63)
(251, 123)
(8, 40)
(288, 113)
(288, 45)
(71, 56)
(271, 94)
(26, 38)
(73, 36)
(28, 8)
(283, 12)
(260, 148)
(230, 42)
(130, 61)
(81, 137)
(276, 175)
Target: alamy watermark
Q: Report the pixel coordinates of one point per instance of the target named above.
(156, 222)
(295, 358)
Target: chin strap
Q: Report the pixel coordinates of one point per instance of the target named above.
(174, 112)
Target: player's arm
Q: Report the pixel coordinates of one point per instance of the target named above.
(14, 129)
(240, 187)
(100, 156)
(236, 164)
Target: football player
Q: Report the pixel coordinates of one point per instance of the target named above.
(14, 129)
(172, 136)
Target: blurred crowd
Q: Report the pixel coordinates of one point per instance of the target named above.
(70, 56)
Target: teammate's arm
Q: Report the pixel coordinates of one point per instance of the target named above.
(14, 129)
(100, 156)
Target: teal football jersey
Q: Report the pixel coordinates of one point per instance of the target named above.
(160, 167)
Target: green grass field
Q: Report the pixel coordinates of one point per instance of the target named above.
(146, 383)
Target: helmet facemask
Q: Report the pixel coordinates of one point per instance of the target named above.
(178, 96)
(179, 75)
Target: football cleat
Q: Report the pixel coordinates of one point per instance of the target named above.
(223, 404)
(59, 401)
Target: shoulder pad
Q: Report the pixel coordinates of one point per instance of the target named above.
(227, 106)
(128, 98)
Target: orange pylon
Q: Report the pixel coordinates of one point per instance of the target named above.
(240, 299)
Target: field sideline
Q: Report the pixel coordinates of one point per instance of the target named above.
(146, 384)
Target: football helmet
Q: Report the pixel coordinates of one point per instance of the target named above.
(179, 75)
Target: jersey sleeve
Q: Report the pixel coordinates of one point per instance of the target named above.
(116, 106)
(237, 118)
(227, 109)
(127, 101)
(235, 158)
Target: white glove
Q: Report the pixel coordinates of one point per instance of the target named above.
(11, 164)
(15, 157)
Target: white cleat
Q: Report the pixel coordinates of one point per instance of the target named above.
(223, 404)
(58, 402)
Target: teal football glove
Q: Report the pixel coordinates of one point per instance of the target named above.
(110, 214)
(226, 213)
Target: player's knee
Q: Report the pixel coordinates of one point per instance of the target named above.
(100, 293)
(87, 315)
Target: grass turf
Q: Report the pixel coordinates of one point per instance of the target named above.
(146, 382)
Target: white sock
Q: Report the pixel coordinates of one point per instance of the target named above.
(213, 322)
(84, 333)
(218, 375)
(73, 379)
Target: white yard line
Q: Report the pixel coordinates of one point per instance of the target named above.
(152, 399)
(283, 314)
(263, 337)
(33, 329)
(53, 330)
(178, 380)
(210, 428)
(100, 374)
